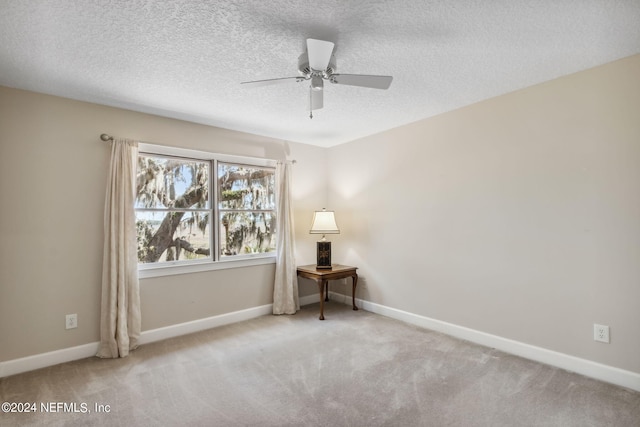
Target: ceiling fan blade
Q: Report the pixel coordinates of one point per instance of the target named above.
(375, 82)
(317, 101)
(319, 52)
(272, 81)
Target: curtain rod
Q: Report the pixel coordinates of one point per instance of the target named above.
(106, 137)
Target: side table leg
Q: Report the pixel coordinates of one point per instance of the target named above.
(353, 290)
(322, 283)
(326, 290)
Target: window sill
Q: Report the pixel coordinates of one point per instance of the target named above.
(149, 271)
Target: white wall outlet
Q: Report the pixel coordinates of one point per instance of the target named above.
(71, 321)
(601, 333)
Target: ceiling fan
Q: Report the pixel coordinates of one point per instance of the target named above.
(318, 64)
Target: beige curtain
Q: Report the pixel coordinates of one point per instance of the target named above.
(120, 316)
(285, 291)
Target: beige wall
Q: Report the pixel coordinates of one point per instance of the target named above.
(53, 170)
(518, 216)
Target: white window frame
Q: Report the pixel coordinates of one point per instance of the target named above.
(237, 261)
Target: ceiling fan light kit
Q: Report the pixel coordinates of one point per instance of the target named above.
(318, 64)
(317, 83)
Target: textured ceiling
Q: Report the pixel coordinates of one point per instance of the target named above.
(185, 59)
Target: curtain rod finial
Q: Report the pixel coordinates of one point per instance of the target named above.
(105, 137)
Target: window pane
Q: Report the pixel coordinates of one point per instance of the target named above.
(244, 233)
(246, 187)
(164, 182)
(172, 236)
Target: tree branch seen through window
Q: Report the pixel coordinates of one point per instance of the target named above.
(175, 207)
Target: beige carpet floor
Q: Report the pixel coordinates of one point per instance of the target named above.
(354, 369)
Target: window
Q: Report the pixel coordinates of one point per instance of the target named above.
(177, 204)
(247, 209)
(173, 212)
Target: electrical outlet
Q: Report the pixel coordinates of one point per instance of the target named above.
(71, 321)
(601, 333)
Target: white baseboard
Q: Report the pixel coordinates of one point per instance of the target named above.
(584, 367)
(37, 361)
(564, 361)
(310, 299)
(43, 360)
(201, 324)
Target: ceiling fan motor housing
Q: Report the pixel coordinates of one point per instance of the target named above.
(305, 70)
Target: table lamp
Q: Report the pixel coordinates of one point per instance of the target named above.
(324, 222)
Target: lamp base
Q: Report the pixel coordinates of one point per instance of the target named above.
(323, 255)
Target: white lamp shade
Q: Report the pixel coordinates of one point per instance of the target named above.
(324, 222)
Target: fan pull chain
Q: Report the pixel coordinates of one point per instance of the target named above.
(310, 104)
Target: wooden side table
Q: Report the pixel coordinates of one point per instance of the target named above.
(322, 277)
